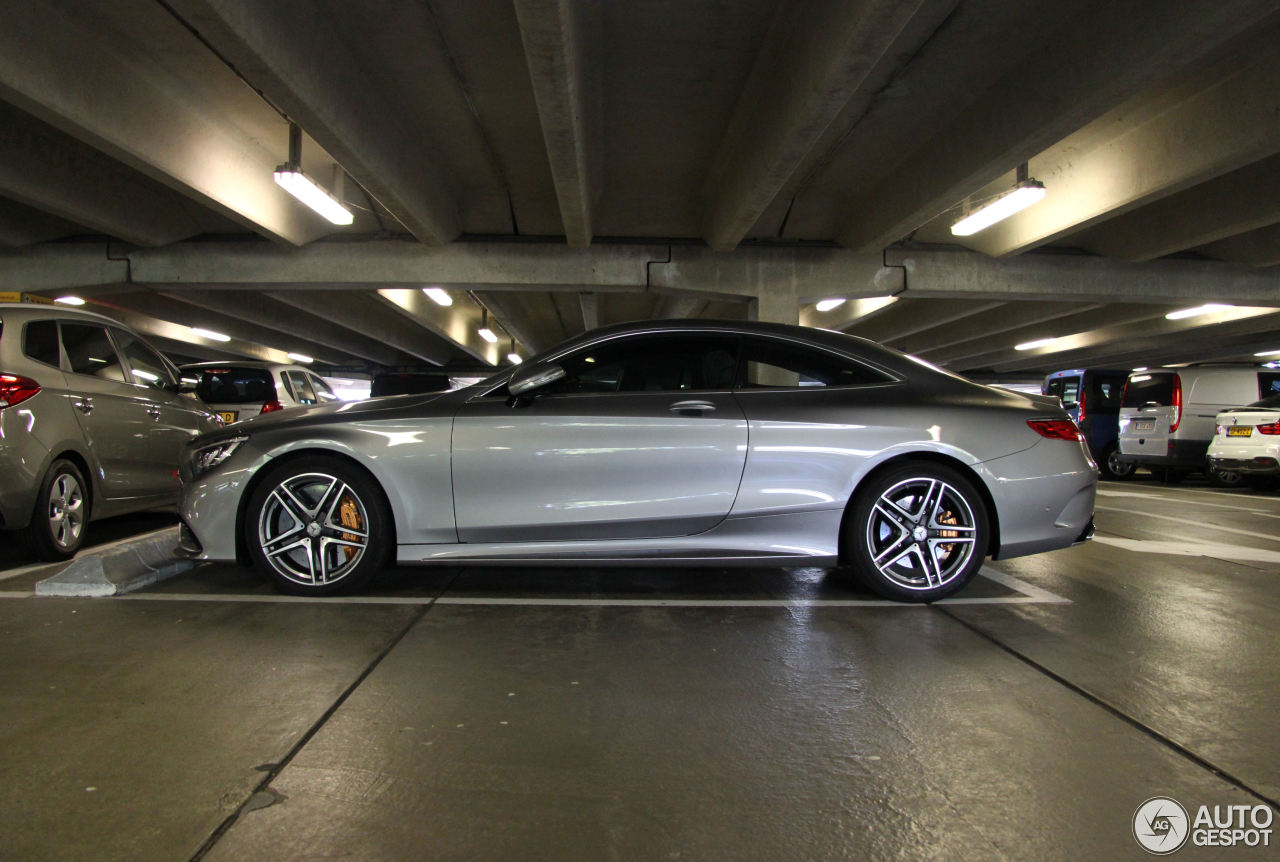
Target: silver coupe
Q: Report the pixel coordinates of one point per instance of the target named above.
(698, 442)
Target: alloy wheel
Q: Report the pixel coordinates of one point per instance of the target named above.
(66, 511)
(313, 529)
(921, 533)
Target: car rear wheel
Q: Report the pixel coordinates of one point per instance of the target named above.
(917, 533)
(1113, 468)
(1225, 478)
(318, 526)
(57, 525)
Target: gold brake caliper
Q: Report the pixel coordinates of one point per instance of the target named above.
(349, 515)
(948, 517)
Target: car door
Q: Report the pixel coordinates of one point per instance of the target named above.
(173, 418)
(115, 423)
(642, 438)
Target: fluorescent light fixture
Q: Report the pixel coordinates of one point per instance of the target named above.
(829, 304)
(301, 357)
(1268, 353)
(438, 296)
(209, 333)
(1207, 308)
(487, 334)
(1032, 345)
(298, 184)
(514, 358)
(1140, 368)
(70, 300)
(1139, 378)
(1021, 196)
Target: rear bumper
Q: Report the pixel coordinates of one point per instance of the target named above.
(1182, 454)
(1261, 466)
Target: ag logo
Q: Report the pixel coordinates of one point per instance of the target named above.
(1160, 825)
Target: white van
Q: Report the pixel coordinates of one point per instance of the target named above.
(1167, 414)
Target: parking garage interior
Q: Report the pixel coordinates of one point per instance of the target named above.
(515, 173)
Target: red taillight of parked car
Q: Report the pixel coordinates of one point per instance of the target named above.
(1270, 429)
(15, 389)
(271, 407)
(1177, 404)
(1056, 429)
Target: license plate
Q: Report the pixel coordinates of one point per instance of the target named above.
(1240, 431)
(1144, 425)
(228, 416)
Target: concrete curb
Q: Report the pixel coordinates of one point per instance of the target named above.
(123, 569)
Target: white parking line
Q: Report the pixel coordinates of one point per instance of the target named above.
(1028, 594)
(1268, 536)
(1139, 495)
(1221, 495)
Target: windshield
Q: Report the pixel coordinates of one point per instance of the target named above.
(1142, 388)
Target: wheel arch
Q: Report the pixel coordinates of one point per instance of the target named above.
(988, 502)
(259, 476)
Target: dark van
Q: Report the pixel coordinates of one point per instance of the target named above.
(1092, 397)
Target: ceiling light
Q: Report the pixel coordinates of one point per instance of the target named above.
(487, 334)
(1032, 345)
(208, 333)
(301, 357)
(1268, 353)
(70, 300)
(290, 177)
(1139, 378)
(1207, 308)
(1140, 368)
(1024, 193)
(438, 295)
(829, 304)
(514, 358)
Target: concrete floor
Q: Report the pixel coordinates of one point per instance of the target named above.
(659, 713)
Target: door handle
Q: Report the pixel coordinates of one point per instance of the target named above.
(692, 408)
(84, 405)
(153, 412)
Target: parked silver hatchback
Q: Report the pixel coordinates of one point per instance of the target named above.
(92, 419)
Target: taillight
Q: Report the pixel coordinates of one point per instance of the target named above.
(15, 389)
(271, 407)
(1270, 429)
(1056, 429)
(1177, 404)
(1081, 402)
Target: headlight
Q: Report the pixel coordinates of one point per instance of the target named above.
(206, 458)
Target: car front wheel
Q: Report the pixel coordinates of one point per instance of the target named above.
(318, 526)
(917, 533)
(57, 525)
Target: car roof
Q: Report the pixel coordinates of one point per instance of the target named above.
(45, 311)
(244, 363)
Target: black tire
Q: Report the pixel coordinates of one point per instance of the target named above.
(900, 520)
(318, 526)
(1113, 468)
(61, 513)
(1225, 478)
(1171, 476)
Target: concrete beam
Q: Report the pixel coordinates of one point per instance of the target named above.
(457, 324)
(1257, 248)
(362, 314)
(906, 318)
(1074, 326)
(565, 89)
(507, 312)
(810, 67)
(74, 67)
(62, 266)
(289, 51)
(805, 274)
(176, 338)
(169, 309)
(589, 305)
(23, 225)
(1103, 55)
(1203, 134)
(48, 171)
(680, 307)
(950, 273)
(255, 306)
(1009, 317)
(1236, 203)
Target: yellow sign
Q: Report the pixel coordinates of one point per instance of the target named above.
(13, 296)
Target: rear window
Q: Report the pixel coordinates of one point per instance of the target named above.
(233, 385)
(1065, 389)
(1104, 391)
(1142, 388)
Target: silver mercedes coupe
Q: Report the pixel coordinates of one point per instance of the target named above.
(695, 442)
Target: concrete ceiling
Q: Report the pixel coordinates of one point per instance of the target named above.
(561, 164)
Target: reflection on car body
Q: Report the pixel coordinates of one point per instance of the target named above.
(698, 441)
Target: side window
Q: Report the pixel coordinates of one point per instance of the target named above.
(146, 368)
(770, 364)
(1054, 388)
(1070, 390)
(652, 363)
(40, 342)
(301, 387)
(1105, 394)
(323, 393)
(89, 351)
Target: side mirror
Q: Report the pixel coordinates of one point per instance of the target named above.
(529, 378)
